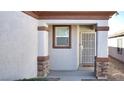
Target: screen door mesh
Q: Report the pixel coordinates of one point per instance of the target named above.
(88, 47)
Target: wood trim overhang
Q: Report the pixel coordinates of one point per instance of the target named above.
(84, 15)
(42, 28)
(102, 59)
(42, 58)
(30, 13)
(102, 28)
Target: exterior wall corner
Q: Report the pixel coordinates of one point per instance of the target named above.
(42, 59)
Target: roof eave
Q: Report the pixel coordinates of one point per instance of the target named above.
(85, 15)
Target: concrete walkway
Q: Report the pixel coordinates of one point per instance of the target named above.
(76, 75)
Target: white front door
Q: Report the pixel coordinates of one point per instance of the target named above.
(87, 48)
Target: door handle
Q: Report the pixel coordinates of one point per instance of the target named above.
(81, 47)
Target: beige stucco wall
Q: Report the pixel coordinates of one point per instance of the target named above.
(64, 59)
(68, 59)
(102, 44)
(18, 46)
(42, 43)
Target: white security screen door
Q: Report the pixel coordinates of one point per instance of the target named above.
(87, 47)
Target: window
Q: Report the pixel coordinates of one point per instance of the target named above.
(61, 36)
(119, 46)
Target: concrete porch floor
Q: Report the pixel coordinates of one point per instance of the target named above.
(84, 73)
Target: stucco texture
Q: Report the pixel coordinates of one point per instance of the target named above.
(64, 59)
(18, 46)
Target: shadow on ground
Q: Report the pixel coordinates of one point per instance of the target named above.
(116, 70)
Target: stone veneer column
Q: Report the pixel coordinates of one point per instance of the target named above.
(43, 57)
(102, 52)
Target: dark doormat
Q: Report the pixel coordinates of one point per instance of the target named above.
(94, 80)
(53, 79)
(39, 79)
(88, 79)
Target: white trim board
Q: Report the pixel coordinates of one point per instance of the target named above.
(81, 22)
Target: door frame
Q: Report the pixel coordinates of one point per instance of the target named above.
(79, 39)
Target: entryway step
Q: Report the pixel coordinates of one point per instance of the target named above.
(72, 75)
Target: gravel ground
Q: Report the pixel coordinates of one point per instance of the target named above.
(116, 70)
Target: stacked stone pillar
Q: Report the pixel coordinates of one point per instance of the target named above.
(102, 52)
(42, 59)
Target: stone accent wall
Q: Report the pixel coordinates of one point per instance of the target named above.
(43, 66)
(101, 68)
(42, 59)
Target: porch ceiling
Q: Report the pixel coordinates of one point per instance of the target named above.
(93, 15)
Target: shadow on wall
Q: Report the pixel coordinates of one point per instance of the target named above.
(117, 53)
